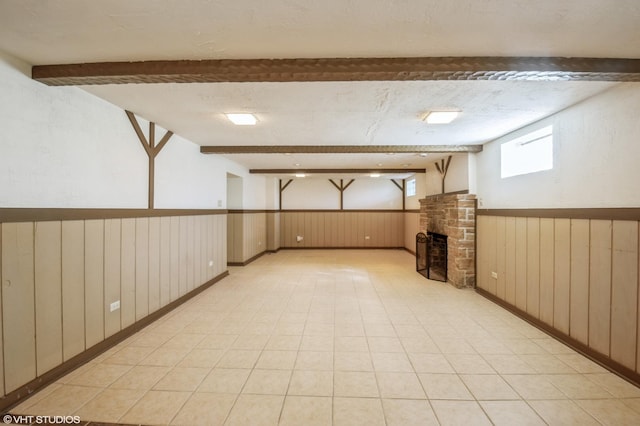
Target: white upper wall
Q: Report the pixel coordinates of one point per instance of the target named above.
(457, 176)
(378, 193)
(595, 158)
(320, 194)
(310, 193)
(413, 202)
(62, 147)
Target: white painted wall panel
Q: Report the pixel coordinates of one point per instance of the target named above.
(595, 158)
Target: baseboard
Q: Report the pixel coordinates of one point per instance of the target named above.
(17, 396)
(603, 360)
(248, 261)
(341, 248)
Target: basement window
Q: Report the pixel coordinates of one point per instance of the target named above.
(411, 187)
(526, 154)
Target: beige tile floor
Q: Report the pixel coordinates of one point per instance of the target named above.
(348, 337)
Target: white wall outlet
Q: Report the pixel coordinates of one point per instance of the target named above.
(494, 275)
(299, 238)
(210, 263)
(366, 237)
(114, 306)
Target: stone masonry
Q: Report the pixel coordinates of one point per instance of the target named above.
(453, 215)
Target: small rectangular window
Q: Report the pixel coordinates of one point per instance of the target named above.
(411, 187)
(530, 153)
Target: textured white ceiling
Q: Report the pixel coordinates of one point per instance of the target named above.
(346, 113)
(68, 31)
(356, 113)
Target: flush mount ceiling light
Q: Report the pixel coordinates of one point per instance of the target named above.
(242, 119)
(440, 117)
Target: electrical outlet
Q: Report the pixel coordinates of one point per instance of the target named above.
(366, 237)
(494, 275)
(114, 306)
(210, 263)
(299, 238)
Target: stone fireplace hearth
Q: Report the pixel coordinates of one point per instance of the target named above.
(453, 215)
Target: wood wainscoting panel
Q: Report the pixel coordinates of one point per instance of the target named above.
(492, 253)
(362, 224)
(546, 270)
(175, 258)
(600, 286)
(501, 257)
(350, 229)
(222, 240)
(142, 267)
(154, 264)
(209, 242)
(202, 235)
(73, 334)
(624, 292)
(411, 227)
(112, 275)
(18, 307)
(320, 227)
(533, 266)
(48, 293)
(311, 224)
(190, 261)
(273, 231)
(94, 281)
(332, 229)
(582, 277)
(60, 277)
(510, 256)
(197, 251)
(128, 273)
(521, 263)
(183, 238)
(165, 261)
(340, 221)
(216, 243)
(487, 255)
(579, 296)
(234, 237)
(482, 275)
(562, 274)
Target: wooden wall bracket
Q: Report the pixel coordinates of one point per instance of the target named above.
(341, 188)
(443, 167)
(150, 148)
(401, 188)
(282, 188)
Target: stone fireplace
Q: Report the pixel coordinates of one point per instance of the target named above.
(453, 215)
